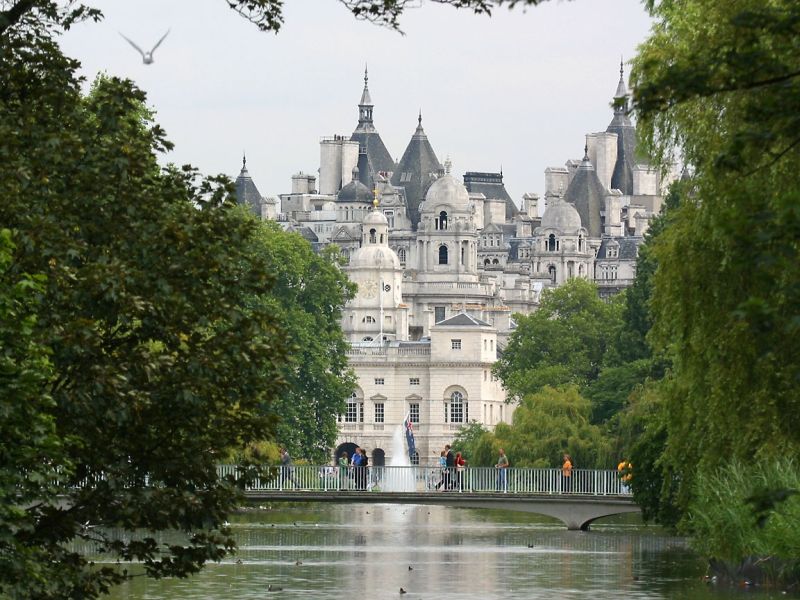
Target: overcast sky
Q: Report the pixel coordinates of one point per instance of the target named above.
(518, 90)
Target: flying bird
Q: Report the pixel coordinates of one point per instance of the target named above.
(147, 57)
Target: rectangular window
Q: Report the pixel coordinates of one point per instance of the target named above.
(379, 381)
(351, 416)
(413, 381)
(389, 217)
(455, 344)
(379, 412)
(438, 314)
(413, 411)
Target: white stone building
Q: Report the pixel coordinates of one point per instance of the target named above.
(442, 263)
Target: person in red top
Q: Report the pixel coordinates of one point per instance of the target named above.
(461, 464)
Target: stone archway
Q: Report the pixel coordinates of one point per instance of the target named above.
(348, 447)
(378, 457)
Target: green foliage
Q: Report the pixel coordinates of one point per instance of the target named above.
(717, 83)
(134, 355)
(549, 423)
(750, 509)
(474, 442)
(306, 299)
(564, 342)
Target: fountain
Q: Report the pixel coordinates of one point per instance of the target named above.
(399, 475)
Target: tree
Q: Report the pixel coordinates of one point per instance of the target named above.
(727, 287)
(267, 15)
(549, 423)
(309, 292)
(138, 352)
(564, 342)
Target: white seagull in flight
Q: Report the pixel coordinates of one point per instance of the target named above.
(147, 57)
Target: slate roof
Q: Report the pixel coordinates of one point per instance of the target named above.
(587, 194)
(628, 247)
(416, 171)
(622, 177)
(372, 153)
(491, 186)
(463, 320)
(246, 191)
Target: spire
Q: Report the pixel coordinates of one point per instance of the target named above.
(621, 95)
(365, 98)
(420, 131)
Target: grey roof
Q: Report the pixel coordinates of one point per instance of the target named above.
(628, 247)
(355, 191)
(587, 193)
(622, 177)
(246, 190)
(416, 171)
(463, 320)
(373, 155)
(491, 186)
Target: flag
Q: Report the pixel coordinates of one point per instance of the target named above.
(409, 427)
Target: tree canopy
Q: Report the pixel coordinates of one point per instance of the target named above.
(125, 293)
(717, 84)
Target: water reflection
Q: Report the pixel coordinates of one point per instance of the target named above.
(357, 551)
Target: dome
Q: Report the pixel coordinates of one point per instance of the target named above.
(375, 217)
(355, 191)
(374, 257)
(562, 216)
(447, 190)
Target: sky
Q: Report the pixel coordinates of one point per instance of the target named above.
(516, 91)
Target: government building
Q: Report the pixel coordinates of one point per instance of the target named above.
(442, 263)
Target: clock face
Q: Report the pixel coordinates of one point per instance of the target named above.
(369, 289)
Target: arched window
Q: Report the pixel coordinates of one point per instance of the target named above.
(442, 254)
(371, 236)
(458, 413)
(367, 339)
(551, 242)
(401, 254)
(580, 243)
(351, 412)
(487, 262)
(495, 262)
(441, 221)
(552, 270)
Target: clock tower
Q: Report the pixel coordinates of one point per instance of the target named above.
(376, 314)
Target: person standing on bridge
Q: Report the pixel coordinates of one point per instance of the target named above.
(344, 467)
(566, 474)
(502, 472)
(450, 462)
(287, 472)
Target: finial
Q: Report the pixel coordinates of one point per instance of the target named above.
(621, 68)
(419, 119)
(366, 75)
(586, 151)
(244, 160)
(375, 197)
(447, 165)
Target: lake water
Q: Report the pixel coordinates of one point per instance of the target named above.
(371, 551)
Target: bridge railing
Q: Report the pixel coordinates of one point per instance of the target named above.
(420, 479)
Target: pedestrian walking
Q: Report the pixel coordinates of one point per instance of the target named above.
(287, 471)
(502, 472)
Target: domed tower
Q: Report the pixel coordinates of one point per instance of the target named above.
(353, 201)
(560, 249)
(376, 313)
(447, 236)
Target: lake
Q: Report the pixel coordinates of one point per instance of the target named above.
(372, 551)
